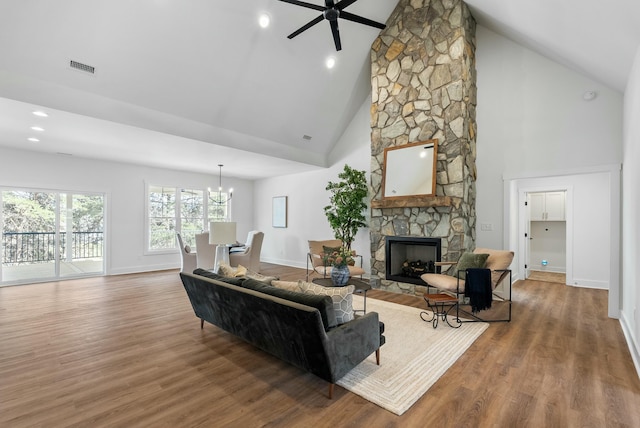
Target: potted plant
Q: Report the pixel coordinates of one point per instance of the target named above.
(346, 211)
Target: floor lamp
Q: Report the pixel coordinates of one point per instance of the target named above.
(222, 234)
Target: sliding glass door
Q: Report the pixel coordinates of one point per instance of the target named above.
(50, 235)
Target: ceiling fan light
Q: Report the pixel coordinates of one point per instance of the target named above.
(330, 62)
(264, 20)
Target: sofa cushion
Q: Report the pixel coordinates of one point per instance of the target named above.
(259, 277)
(213, 275)
(342, 298)
(322, 303)
(287, 285)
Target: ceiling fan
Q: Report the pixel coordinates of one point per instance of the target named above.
(331, 11)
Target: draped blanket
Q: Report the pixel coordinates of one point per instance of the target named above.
(478, 289)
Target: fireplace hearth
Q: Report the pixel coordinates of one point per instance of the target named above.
(408, 257)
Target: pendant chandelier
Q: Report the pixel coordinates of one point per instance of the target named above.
(216, 197)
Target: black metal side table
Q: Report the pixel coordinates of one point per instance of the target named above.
(361, 287)
(441, 306)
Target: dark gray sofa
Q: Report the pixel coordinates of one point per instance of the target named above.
(294, 332)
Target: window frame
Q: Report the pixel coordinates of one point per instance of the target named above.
(177, 215)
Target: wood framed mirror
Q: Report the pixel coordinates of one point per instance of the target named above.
(410, 170)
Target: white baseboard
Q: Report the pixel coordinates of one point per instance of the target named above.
(586, 283)
(295, 264)
(140, 269)
(631, 343)
(551, 269)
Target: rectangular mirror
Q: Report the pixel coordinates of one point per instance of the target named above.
(410, 170)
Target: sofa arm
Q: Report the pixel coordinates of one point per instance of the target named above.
(351, 343)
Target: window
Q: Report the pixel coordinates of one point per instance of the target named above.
(162, 217)
(191, 215)
(172, 210)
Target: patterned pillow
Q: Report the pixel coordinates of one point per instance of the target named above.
(342, 298)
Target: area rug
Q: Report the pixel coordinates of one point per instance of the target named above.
(413, 358)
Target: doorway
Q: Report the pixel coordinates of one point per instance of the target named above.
(546, 243)
(49, 235)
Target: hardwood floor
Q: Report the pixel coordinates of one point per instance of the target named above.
(128, 351)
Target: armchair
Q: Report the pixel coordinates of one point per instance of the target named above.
(497, 261)
(315, 261)
(249, 255)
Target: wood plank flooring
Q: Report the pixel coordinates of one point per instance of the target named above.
(128, 351)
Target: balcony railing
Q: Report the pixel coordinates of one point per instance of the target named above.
(34, 247)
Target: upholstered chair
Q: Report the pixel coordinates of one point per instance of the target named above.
(249, 255)
(205, 252)
(187, 257)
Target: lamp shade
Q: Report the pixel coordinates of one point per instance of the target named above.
(222, 232)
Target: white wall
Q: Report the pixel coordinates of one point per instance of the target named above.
(124, 186)
(532, 119)
(630, 297)
(307, 197)
(549, 243)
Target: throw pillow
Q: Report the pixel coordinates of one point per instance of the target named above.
(286, 285)
(342, 298)
(468, 261)
(232, 272)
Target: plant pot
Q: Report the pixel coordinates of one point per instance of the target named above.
(340, 275)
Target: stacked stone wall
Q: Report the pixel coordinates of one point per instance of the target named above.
(423, 82)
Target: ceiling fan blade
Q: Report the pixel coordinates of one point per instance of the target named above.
(345, 3)
(336, 34)
(305, 4)
(306, 26)
(360, 20)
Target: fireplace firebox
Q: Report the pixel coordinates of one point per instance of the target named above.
(408, 257)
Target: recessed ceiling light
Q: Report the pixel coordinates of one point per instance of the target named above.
(33, 140)
(37, 128)
(330, 62)
(264, 20)
(40, 113)
(589, 95)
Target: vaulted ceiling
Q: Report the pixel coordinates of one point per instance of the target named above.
(191, 84)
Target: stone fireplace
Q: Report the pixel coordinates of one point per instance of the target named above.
(407, 257)
(423, 82)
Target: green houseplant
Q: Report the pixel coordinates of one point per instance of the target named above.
(346, 211)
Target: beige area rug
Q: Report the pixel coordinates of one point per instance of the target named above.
(413, 358)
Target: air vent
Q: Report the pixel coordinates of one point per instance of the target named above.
(82, 67)
(306, 137)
